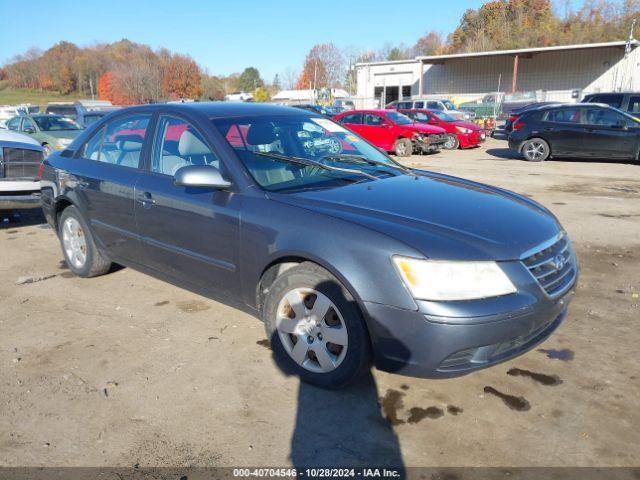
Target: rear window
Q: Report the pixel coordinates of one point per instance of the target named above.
(67, 110)
(611, 100)
(563, 115)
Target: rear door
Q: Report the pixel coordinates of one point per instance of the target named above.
(189, 234)
(561, 127)
(104, 181)
(607, 133)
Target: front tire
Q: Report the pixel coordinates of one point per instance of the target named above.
(403, 147)
(81, 254)
(315, 327)
(536, 150)
(452, 142)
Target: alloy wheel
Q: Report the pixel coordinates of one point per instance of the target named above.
(312, 330)
(535, 150)
(74, 242)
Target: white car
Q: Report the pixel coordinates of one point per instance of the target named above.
(239, 97)
(20, 159)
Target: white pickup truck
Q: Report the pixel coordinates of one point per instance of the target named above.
(20, 159)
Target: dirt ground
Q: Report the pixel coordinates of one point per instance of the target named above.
(125, 370)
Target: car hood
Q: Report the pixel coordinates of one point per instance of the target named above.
(424, 128)
(63, 133)
(440, 216)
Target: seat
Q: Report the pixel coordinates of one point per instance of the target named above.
(194, 151)
(129, 153)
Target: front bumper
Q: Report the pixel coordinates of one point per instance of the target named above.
(416, 344)
(472, 139)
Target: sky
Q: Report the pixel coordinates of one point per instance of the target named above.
(227, 36)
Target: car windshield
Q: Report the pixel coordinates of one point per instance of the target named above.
(445, 117)
(274, 150)
(399, 118)
(52, 123)
(449, 105)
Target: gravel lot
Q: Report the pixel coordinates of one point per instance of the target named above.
(123, 369)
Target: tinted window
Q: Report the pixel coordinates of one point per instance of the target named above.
(634, 104)
(418, 105)
(563, 115)
(402, 105)
(612, 100)
(434, 105)
(355, 118)
(445, 117)
(14, 123)
(420, 116)
(603, 116)
(68, 110)
(119, 142)
(373, 119)
(178, 144)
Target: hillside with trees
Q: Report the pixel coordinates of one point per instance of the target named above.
(128, 73)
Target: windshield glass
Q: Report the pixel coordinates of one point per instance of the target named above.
(303, 137)
(51, 123)
(398, 118)
(445, 117)
(449, 105)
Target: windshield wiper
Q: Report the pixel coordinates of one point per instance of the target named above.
(343, 156)
(312, 163)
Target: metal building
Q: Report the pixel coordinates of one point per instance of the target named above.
(562, 73)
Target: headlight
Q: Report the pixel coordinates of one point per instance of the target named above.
(463, 129)
(445, 280)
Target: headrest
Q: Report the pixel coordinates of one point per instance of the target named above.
(261, 134)
(131, 145)
(189, 144)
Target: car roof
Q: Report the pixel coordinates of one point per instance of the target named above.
(219, 109)
(371, 110)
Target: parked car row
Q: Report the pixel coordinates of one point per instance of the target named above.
(405, 132)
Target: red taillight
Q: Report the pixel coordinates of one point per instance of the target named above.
(40, 170)
(513, 118)
(518, 125)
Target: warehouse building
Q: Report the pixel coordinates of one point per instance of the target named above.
(561, 73)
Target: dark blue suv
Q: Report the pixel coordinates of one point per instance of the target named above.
(347, 256)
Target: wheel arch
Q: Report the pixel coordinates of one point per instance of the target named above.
(287, 260)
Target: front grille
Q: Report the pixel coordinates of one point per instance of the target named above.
(437, 138)
(20, 163)
(554, 266)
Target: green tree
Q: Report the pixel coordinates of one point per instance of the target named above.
(249, 80)
(276, 83)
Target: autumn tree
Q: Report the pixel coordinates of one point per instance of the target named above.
(431, 43)
(180, 77)
(211, 88)
(324, 67)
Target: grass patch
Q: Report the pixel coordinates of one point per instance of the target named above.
(15, 96)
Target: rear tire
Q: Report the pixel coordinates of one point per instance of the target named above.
(535, 150)
(81, 254)
(403, 147)
(452, 142)
(305, 309)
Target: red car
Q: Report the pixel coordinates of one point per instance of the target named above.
(460, 134)
(393, 132)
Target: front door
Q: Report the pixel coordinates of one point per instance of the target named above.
(606, 133)
(105, 178)
(378, 130)
(190, 234)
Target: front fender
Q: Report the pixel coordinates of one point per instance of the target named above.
(360, 258)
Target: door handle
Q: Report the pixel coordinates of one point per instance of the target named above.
(146, 199)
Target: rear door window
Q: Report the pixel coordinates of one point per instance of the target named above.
(563, 115)
(373, 120)
(353, 118)
(120, 142)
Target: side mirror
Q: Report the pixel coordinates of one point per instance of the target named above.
(29, 130)
(433, 121)
(200, 176)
